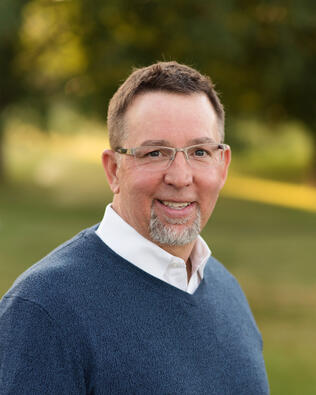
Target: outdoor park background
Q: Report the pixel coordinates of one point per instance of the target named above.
(60, 63)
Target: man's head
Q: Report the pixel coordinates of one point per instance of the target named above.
(167, 195)
(169, 77)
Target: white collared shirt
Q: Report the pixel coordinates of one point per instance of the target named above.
(146, 255)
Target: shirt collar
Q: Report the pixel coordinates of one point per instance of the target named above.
(132, 246)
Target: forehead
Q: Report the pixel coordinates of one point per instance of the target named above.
(175, 118)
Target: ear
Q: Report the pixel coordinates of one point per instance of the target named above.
(111, 168)
(225, 166)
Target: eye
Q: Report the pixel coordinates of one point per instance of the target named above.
(147, 153)
(201, 153)
(154, 154)
(158, 153)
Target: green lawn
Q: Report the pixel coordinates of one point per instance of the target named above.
(271, 250)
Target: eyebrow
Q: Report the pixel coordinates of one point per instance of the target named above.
(202, 140)
(166, 143)
(155, 143)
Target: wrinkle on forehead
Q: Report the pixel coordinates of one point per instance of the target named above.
(166, 143)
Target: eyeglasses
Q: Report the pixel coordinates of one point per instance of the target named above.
(160, 158)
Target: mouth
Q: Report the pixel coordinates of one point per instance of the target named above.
(172, 212)
(175, 205)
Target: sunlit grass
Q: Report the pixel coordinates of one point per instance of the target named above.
(272, 192)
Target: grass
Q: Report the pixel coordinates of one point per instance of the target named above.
(31, 224)
(272, 192)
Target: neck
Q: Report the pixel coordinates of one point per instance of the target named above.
(182, 252)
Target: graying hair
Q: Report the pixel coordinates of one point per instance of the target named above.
(169, 77)
(166, 235)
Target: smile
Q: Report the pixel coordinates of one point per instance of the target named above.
(175, 205)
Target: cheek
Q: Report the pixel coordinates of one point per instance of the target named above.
(210, 185)
(140, 188)
(209, 192)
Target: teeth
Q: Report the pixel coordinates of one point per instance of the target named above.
(175, 205)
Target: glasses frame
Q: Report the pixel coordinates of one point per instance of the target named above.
(131, 151)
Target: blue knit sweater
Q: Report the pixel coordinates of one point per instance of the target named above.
(85, 321)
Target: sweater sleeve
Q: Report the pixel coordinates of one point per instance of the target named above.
(35, 358)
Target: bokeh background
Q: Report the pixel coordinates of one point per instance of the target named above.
(61, 60)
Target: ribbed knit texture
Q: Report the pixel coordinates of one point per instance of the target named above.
(85, 321)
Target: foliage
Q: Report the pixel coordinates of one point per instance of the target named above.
(11, 84)
(262, 54)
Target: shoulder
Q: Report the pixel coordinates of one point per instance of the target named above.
(226, 288)
(217, 274)
(60, 273)
(51, 296)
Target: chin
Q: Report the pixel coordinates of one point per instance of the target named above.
(170, 234)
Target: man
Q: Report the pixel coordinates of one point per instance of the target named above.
(137, 304)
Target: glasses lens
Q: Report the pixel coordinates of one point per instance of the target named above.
(159, 158)
(204, 154)
(152, 157)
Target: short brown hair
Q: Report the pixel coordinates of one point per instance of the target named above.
(162, 76)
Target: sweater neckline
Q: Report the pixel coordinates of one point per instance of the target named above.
(159, 286)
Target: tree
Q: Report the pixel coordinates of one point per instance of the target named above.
(261, 54)
(12, 87)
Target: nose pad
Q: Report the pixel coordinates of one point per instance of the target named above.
(185, 154)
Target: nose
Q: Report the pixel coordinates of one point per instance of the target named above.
(179, 173)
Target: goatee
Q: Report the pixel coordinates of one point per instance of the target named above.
(168, 234)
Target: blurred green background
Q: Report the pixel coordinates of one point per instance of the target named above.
(60, 63)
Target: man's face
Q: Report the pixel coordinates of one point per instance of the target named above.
(169, 206)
